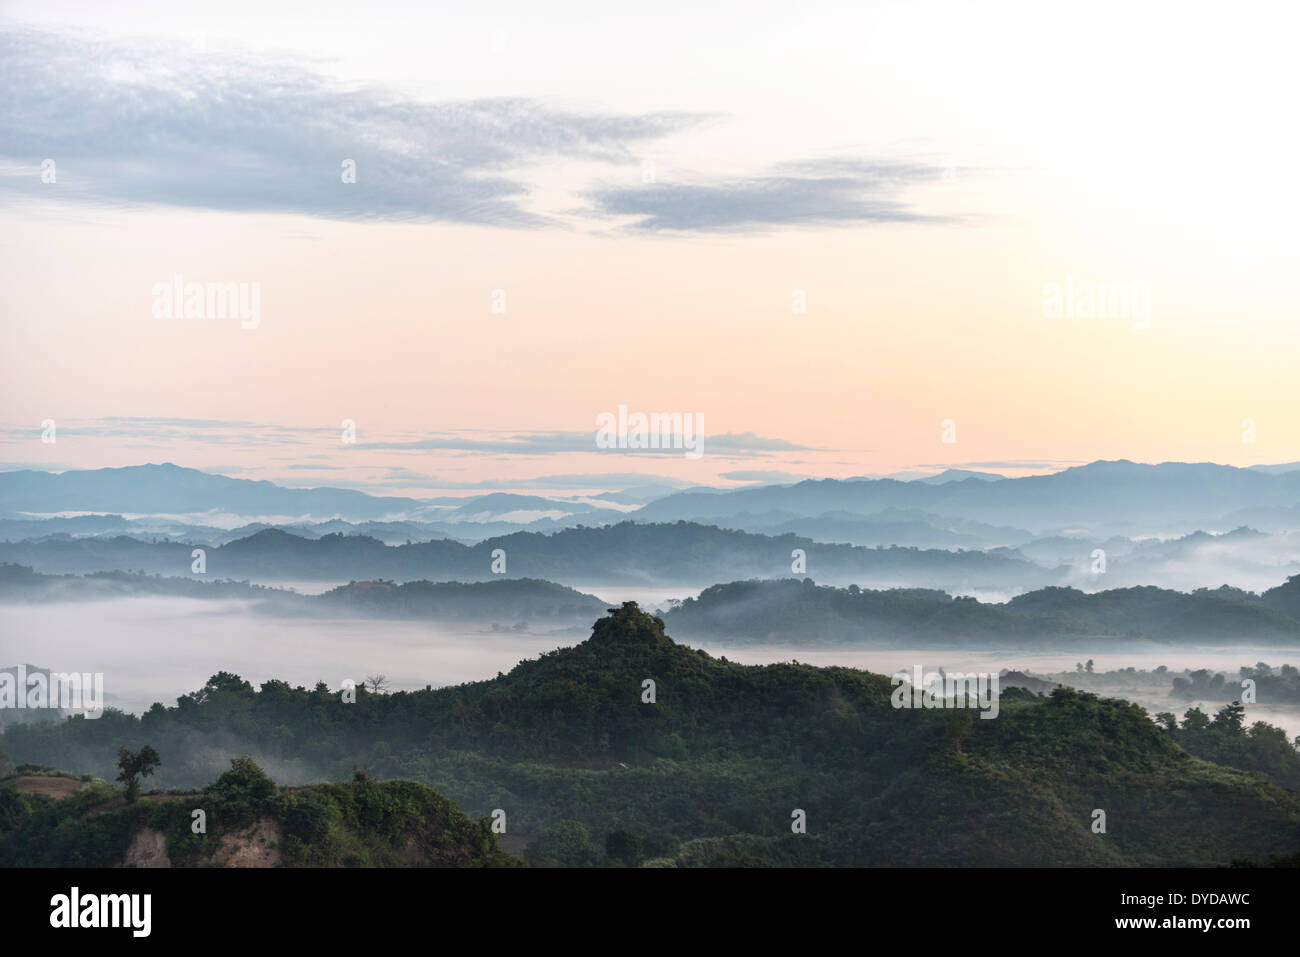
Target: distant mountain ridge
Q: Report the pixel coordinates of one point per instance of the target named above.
(628, 553)
(1107, 497)
(787, 612)
(504, 601)
(956, 509)
(169, 489)
(791, 612)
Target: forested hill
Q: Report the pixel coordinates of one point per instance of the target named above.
(705, 761)
(628, 553)
(794, 612)
(790, 612)
(53, 819)
(507, 601)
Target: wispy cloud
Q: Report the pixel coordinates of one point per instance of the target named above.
(409, 478)
(764, 476)
(146, 123)
(1006, 464)
(553, 443)
(169, 432)
(825, 192)
(162, 430)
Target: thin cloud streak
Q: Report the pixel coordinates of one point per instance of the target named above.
(824, 192)
(148, 124)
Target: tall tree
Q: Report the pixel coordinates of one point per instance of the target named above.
(133, 766)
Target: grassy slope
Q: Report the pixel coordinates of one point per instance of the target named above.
(359, 823)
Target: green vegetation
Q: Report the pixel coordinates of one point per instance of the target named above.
(565, 844)
(1282, 685)
(1224, 739)
(801, 612)
(133, 767)
(360, 823)
(709, 773)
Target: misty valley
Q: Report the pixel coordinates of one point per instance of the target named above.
(507, 675)
(575, 443)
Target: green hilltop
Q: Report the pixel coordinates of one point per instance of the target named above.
(713, 770)
(53, 819)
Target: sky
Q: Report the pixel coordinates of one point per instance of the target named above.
(848, 239)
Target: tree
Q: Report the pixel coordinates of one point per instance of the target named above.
(565, 843)
(1230, 717)
(223, 683)
(378, 684)
(1088, 666)
(156, 714)
(135, 766)
(623, 846)
(245, 782)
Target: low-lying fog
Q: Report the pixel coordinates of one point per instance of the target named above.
(647, 596)
(156, 649)
(1147, 690)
